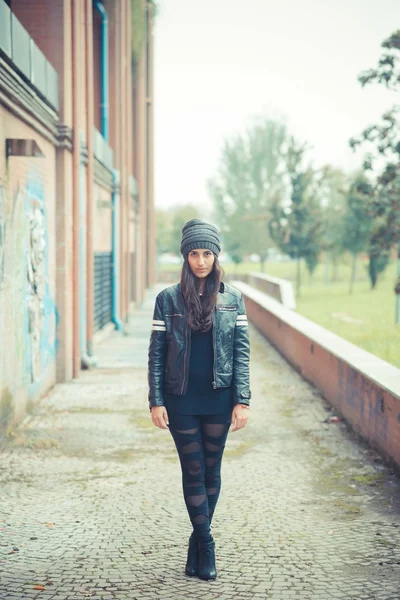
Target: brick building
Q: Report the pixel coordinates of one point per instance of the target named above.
(76, 185)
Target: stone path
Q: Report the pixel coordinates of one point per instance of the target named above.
(91, 504)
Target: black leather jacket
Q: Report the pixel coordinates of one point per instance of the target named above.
(169, 350)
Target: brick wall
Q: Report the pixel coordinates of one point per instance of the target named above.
(59, 184)
(28, 271)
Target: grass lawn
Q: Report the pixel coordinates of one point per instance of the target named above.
(331, 305)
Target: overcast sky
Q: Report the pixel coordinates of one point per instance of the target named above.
(218, 63)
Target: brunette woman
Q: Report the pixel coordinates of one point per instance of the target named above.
(199, 379)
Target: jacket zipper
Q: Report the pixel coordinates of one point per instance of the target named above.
(185, 355)
(214, 384)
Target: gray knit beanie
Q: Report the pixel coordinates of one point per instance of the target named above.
(199, 234)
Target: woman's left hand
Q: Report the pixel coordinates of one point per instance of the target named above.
(240, 416)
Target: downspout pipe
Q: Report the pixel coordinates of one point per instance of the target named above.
(76, 159)
(104, 70)
(87, 359)
(116, 201)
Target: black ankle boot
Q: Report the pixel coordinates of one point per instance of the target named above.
(192, 563)
(207, 568)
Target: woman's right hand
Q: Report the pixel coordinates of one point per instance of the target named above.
(159, 416)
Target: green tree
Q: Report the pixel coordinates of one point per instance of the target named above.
(356, 224)
(251, 173)
(384, 139)
(163, 231)
(332, 188)
(233, 231)
(141, 12)
(297, 228)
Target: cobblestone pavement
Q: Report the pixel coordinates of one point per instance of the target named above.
(91, 504)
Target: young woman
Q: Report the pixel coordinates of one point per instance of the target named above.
(199, 379)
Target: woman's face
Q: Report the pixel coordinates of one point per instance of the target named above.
(201, 261)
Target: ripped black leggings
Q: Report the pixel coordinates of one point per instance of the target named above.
(200, 442)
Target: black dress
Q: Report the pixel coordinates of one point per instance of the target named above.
(200, 397)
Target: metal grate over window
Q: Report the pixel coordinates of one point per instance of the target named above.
(102, 289)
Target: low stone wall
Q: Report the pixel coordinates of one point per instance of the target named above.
(280, 289)
(363, 388)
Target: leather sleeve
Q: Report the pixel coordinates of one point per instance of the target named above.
(157, 355)
(241, 357)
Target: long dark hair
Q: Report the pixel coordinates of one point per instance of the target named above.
(200, 311)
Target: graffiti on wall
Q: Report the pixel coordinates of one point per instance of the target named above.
(35, 261)
(25, 281)
(40, 301)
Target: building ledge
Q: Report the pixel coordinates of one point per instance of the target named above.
(23, 101)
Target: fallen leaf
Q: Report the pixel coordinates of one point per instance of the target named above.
(39, 587)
